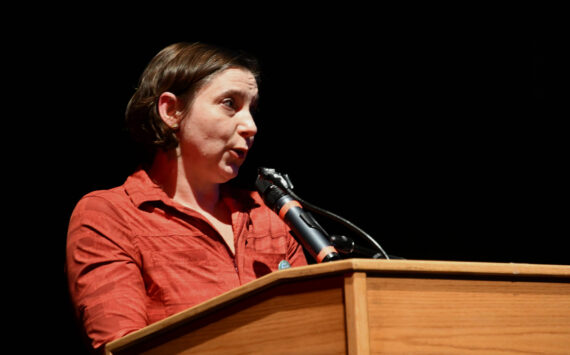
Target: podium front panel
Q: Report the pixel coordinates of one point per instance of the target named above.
(305, 318)
(458, 316)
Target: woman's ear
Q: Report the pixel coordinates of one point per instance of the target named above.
(168, 108)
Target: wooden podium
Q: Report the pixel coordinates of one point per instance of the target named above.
(362, 306)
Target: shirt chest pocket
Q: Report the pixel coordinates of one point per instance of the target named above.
(178, 257)
(264, 253)
(267, 244)
(176, 252)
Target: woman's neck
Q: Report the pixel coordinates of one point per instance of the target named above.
(181, 185)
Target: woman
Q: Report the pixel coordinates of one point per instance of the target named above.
(173, 235)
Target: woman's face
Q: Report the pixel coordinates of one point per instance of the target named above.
(217, 132)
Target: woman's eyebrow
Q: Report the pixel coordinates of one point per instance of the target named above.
(239, 93)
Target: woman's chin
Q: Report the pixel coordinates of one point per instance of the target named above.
(229, 172)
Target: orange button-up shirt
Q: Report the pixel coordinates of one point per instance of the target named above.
(134, 256)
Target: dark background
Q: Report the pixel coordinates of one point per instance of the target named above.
(438, 135)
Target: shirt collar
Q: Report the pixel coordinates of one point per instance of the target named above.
(141, 189)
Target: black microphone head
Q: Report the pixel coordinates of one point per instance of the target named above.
(261, 184)
(275, 178)
(268, 191)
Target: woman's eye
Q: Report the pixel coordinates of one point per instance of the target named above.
(229, 103)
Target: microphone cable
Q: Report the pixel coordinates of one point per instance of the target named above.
(284, 182)
(340, 220)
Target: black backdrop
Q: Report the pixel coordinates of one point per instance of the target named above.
(437, 136)
(430, 141)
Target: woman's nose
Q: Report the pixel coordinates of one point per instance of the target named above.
(247, 127)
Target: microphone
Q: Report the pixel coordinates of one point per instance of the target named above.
(302, 223)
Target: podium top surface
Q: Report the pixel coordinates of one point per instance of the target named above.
(419, 268)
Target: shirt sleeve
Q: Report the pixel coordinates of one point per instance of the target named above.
(104, 272)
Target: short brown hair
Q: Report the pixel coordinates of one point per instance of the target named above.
(182, 69)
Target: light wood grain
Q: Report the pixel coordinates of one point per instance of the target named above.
(356, 313)
(306, 319)
(453, 316)
(404, 300)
